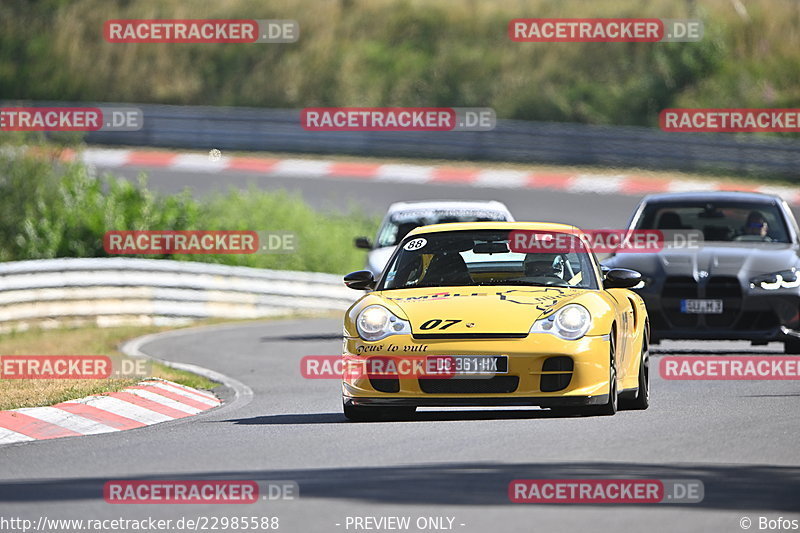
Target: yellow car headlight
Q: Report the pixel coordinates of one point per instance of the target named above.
(571, 322)
(375, 322)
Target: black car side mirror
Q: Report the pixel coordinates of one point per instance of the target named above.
(363, 242)
(621, 278)
(360, 280)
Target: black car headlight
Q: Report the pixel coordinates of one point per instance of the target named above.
(375, 322)
(785, 279)
(571, 322)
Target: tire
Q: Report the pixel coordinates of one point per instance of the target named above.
(642, 400)
(360, 413)
(609, 408)
(791, 345)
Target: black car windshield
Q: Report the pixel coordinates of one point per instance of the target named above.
(718, 221)
(400, 224)
(483, 257)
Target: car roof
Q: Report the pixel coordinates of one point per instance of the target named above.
(463, 226)
(427, 205)
(711, 196)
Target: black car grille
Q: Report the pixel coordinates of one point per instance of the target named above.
(729, 291)
(677, 288)
(385, 384)
(497, 384)
(556, 382)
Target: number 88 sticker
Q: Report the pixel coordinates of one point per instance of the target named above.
(415, 244)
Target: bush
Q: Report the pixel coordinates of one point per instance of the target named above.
(49, 211)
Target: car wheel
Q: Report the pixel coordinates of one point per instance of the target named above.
(642, 400)
(360, 413)
(791, 345)
(609, 408)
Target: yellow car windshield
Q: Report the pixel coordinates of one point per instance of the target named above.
(484, 257)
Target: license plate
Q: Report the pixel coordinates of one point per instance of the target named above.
(471, 364)
(701, 307)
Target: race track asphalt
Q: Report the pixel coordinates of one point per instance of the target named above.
(740, 438)
(583, 210)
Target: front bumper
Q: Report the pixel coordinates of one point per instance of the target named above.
(541, 401)
(543, 370)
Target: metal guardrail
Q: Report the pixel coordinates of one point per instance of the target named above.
(512, 140)
(116, 290)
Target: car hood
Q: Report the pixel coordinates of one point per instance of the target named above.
(480, 310)
(718, 259)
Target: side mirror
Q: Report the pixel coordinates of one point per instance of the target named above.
(360, 280)
(621, 278)
(363, 242)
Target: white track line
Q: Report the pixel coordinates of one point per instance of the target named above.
(691, 186)
(198, 163)
(197, 392)
(105, 158)
(597, 184)
(501, 178)
(186, 394)
(126, 409)
(7, 436)
(405, 173)
(163, 400)
(301, 168)
(67, 420)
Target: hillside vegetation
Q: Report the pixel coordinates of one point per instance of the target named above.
(412, 53)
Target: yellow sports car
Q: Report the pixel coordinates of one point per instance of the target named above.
(494, 314)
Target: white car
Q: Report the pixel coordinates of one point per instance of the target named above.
(402, 217)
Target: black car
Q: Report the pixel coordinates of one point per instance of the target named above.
(739, 283)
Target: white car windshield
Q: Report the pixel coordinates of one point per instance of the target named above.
(398, 225)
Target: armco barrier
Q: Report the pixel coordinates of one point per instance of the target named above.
(118, 290)
(279, 130)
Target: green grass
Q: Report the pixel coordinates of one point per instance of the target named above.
(410, 53)
(17, 393)
(49, 211)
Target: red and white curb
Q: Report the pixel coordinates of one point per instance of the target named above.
(586, 183)
(148, 402)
